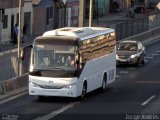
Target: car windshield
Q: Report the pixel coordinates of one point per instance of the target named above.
(127, 46)
(51, 57)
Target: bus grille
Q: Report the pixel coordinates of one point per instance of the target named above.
(49, 87)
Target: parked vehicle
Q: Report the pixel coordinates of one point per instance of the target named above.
(130, 52)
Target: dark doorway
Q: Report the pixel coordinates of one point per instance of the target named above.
(12, 26)
(27, 20)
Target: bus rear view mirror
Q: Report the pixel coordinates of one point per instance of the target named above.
(77, 62)
(23, 51)
(22, 54)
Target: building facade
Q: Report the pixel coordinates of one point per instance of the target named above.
(72, 12)
(43, 18)
(9, 13)
(54, 14)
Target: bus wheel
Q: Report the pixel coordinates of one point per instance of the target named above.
(84, 92)
(104, 83)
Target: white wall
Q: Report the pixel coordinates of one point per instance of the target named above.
(6, 33)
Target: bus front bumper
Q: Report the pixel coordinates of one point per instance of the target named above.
(64, 92)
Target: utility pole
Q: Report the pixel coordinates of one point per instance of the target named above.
(19, 38)
(90, 13)
(81, 13)
(127, 4)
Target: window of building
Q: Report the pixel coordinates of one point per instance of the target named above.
(47, 20)
(17, 18)
(49, 14)
(5, 22)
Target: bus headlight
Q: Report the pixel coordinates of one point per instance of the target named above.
(70, 86)
(33, 84)
(31, 68)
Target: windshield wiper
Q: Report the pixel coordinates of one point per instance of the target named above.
(62, 68)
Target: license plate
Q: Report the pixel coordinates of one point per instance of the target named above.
(123, 60)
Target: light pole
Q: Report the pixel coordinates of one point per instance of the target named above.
(81, 13)
(90, 13)
(19, 37)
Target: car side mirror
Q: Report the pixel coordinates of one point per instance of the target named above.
(22, 54)
(139, 50)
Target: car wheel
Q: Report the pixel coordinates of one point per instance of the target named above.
(143, 61)
(138, 61)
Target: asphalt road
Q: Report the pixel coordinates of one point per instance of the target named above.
(135, 95)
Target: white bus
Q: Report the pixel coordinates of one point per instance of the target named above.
(72, 61)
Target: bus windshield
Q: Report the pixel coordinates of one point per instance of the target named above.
(51, 57)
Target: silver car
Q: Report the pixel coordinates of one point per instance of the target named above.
(130, 52)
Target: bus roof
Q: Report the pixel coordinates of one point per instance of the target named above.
(79, 32)
(57, 40)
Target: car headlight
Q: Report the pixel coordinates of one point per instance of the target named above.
(70, 86)
(117, 57)
(134, 56)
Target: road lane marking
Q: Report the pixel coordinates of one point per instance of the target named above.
(148, 100)
(131, 68)
(55, 113)
(123, 72)
(158, 51)
(149, 57)
(118, 76)
(154, 54)
(148, 82)
(146, 60)
(12, 98)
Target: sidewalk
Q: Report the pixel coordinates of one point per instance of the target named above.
(10, 46)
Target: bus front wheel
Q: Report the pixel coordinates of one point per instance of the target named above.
(84, 91)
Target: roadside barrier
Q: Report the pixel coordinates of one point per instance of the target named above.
(13, 84)
(145, 35)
